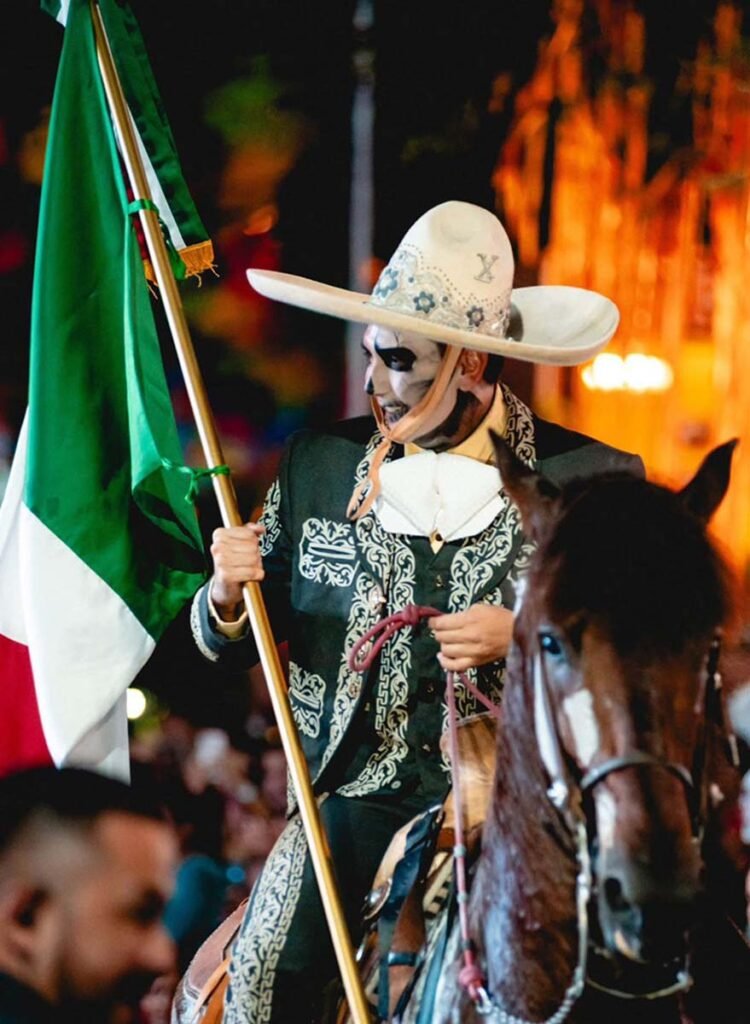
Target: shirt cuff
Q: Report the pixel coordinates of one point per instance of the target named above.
(231, 630)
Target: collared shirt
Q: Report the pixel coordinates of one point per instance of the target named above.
(478, 445)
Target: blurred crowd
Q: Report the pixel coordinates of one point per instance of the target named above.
(226, 800)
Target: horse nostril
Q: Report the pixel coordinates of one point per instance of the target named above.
(614, 895)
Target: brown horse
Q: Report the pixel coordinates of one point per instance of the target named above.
(593, 898)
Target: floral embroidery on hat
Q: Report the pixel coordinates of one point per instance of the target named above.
(424, 302)
(409, 285)
(387, 282)
(475, 316)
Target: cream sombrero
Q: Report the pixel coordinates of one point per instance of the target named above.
(451, 279)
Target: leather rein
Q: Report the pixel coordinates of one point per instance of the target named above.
(565, 794)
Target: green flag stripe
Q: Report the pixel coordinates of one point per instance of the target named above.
(101, 420)
(57, 8)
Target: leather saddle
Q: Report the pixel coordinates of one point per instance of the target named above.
(413, 881)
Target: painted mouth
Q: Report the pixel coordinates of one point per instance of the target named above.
(393, 412)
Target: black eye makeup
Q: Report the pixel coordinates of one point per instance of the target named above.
(400, 359)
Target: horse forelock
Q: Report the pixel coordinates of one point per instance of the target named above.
(627, 553)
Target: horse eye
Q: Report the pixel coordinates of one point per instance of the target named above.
(550, 645)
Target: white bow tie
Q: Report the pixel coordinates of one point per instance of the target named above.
(440, 493)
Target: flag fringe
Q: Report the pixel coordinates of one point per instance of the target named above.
(197, 258)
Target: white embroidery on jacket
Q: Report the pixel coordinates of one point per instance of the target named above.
(255, 957)
(306, 692)
(195, 628)
(327, 552)
(392, 685)
(364, 611)
(476, 561)
(270, 519)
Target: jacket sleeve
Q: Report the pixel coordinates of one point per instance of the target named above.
(276, 549)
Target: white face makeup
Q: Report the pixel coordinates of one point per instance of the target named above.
(400, 370)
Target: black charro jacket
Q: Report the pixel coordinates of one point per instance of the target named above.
(328, 580)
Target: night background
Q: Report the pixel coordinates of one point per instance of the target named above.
(613, 141)
(279, 77)
(259, 96)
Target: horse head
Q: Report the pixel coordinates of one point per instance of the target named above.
(615, 638)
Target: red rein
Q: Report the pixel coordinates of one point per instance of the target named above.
(410, 615)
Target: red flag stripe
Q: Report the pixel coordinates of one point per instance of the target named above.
(22, 743)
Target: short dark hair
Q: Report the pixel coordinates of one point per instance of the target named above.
(73, 797)
(494, 368)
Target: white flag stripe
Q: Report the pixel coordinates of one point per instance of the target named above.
(157, 193)
(62, 14)
(85, 644)
(11, 614)
(106, 747)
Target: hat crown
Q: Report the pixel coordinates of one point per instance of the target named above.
(454, 267)
(451, 280)
(453, 229)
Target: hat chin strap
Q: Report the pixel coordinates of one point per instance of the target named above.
(413, 424)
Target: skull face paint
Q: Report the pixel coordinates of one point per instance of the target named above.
(400, 370)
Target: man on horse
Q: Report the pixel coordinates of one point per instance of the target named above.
(369, 517)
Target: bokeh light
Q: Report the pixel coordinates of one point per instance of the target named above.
(635, 372)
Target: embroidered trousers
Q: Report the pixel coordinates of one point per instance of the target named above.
(284, 958)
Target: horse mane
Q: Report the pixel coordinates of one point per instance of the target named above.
(629, 552)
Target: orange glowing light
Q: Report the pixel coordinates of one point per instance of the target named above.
(635, 372)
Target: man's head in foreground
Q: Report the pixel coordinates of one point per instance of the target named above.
(86, 865)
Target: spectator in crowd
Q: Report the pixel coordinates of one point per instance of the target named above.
(198, 904)
(86, 867)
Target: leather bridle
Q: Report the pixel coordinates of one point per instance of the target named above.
(566, 795)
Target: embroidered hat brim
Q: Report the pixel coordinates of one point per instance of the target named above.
(552, 324)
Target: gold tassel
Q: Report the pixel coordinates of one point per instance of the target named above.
(197, 258)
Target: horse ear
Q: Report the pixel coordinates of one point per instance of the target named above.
(703, 495)
(535, 495)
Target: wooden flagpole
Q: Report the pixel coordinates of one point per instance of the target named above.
(317, 842)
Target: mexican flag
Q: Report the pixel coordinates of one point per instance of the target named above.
(99, 549)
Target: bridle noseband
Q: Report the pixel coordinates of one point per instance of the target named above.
(596, 775)
(694, 781)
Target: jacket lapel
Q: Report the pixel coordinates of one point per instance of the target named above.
(483, 562)
(370, 590)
